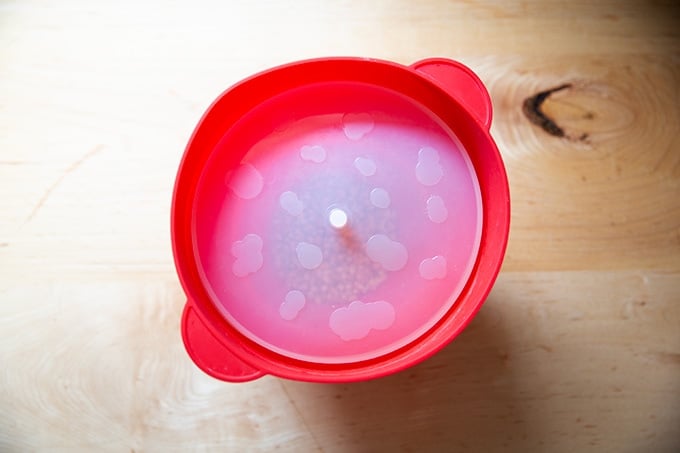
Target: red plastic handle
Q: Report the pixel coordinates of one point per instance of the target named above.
(461, 83)
(209, 353)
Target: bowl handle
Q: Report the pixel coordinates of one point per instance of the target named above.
(460, 83)
(209, 353)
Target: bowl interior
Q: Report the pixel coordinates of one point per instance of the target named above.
(336, 222)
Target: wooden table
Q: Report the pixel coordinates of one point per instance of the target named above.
(578, 347)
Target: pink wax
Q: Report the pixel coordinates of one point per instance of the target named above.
(349, 229)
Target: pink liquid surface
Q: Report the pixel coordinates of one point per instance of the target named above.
(284, 276)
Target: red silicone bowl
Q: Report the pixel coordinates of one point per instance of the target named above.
(338, 219)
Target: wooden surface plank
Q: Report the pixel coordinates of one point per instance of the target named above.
(577, 349)
(556, 361)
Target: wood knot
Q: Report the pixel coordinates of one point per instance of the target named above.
(532, 110)
(566, 119)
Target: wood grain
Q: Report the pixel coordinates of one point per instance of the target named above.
(618, 162)
(577, 349)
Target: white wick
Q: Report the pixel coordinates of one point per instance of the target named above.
(337, 218)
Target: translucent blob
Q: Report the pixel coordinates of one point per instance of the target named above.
(365, 166)
(245, 182)
(433, 268)
(290, 203)
(355, 321)
(391, 255)
(248, 254)
(292, 304)
(436, 209)
(309, 255)
(428, 169)
(313, 153)
(380, 198)
(356, 125)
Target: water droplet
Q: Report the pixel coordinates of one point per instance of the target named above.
(246, 182)
(433, 268)
(292, 304)
(392, 255)
(428, 169)
(290, 203)
(313, 153)
(356, 320)
(365, 166)
(380, 198)
(356, 125)
(436, 209)
(309, 255)
(248, 254)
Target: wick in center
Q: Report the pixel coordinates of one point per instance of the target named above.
(337, 218)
